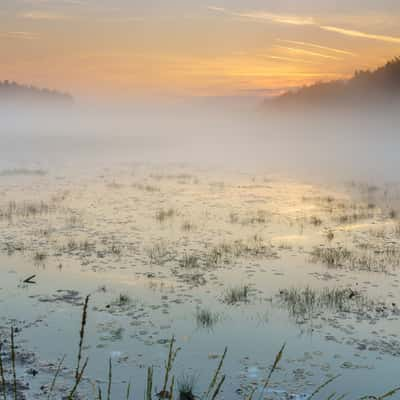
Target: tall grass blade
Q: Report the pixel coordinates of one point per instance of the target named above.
(278, 358)
(324, 385)
(217, 371)
(128, 391)
(3, 380)
(149, 387)
(81, 336)
(109, 379)
(218, 388)
(14, 374)
(78, 380)
(58, 370)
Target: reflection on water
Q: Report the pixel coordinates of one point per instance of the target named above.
(159, 247)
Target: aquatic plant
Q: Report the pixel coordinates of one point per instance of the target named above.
(190, 261)
(162, 215)
(305, 302)
(205, 318)
(185, 385)
(236, 294)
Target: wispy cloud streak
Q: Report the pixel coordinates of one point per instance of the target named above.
(19, 35)
(306, 21)
(308, 52)
(48, 16)
(317, 46)
(363, 35)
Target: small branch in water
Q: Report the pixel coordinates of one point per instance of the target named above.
(30, 279)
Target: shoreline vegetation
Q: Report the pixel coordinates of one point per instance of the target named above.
(171, 388)
(378, 88)
(15, 93)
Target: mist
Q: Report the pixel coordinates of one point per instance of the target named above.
(242, 135)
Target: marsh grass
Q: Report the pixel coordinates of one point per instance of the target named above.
(25, 209)
(330, 235)
(331, 256)
(307, 302)
(316, 221)
(372, 257)
(159, 253)
(190, 261)
(226, 252)
(188, 226)
(163, 215)
(146, 188)
(234, 295)
(353, 217)
(185, 385)
(115, 249)
(122, 300)
(205, 318)
(39, 257)
(23, 172)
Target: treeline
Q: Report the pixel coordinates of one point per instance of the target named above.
(380, 86)
(12, 92)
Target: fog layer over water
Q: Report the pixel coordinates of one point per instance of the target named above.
(312, 144)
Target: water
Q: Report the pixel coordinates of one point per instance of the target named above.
(98, 236)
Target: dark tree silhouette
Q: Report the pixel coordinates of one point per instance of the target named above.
(12, 92)
(380, 86)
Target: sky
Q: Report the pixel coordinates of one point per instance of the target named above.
(128, 48)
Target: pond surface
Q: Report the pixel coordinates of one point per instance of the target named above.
(214, 258)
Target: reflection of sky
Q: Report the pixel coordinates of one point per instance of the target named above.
(189, 47)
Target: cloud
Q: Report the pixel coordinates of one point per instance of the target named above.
(317, 46)
(19, 35)
(43, 15)
(279, 18)
(290, 59)
(59, 2)
(266, 16)
(306, 21)
(218, 9)
(308, 52)
(363, 35)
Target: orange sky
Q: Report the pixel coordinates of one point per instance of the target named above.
(237, 47)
